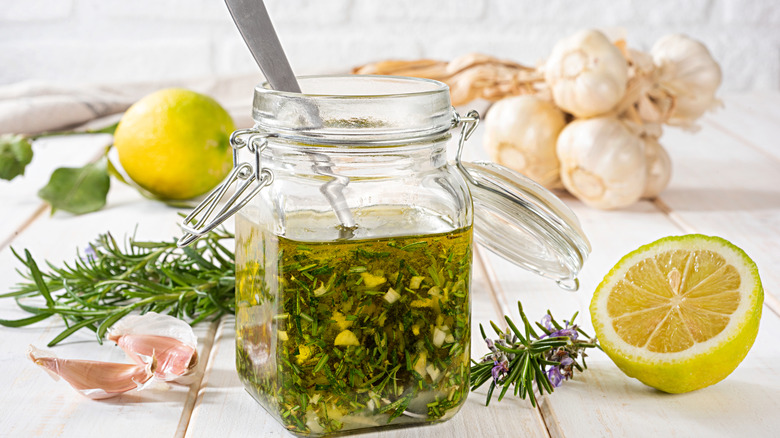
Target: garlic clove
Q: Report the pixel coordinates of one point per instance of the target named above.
(602, 162)
(586, 73)
(169, 340)
(94, 379)
(520, 133)
(174, 359)
(659, 168)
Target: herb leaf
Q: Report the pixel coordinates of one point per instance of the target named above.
(78, 190)
(15, 154)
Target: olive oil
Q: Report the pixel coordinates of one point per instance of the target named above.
(338, 335)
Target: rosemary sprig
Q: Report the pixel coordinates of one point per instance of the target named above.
(522, 358)
(111, 280)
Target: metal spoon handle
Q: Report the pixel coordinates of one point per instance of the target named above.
(254, 24)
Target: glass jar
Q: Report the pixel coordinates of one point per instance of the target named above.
(354, 251)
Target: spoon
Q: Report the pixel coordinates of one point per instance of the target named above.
(254, 24)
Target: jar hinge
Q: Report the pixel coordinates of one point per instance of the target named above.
(243, 175)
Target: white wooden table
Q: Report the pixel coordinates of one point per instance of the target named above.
(726, 182)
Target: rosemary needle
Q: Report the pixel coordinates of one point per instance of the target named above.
(111, 280)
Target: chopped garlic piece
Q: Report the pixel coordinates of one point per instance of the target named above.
(372, 280)
(282, 335)
(346, 338)
(438, 337)
(420, 363)
(422, 303)
(433, 372)
(322, 290)
(304, 352)
(391, 296)
(341, 320)
(415, 282)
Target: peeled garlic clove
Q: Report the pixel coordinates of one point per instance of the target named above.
(689, 72)
(169, 340)
(602, 162)
(586, 73)
(520, 133)
(93, 379)
(659, 168)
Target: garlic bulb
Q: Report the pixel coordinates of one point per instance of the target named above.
(586, 73)
(659, 167)
(520, 133)
(602, 162)
(688, 71)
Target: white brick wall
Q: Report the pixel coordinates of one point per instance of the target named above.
(113, 41)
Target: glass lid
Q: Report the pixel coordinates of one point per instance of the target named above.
(525, 223)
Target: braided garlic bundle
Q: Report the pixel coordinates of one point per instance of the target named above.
(590, 117)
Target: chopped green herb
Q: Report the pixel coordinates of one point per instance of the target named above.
(374, 334)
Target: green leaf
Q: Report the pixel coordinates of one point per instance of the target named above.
(15, 154)
(25, 321)
(78, 190)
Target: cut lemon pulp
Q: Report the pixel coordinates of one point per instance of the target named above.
(680, 313)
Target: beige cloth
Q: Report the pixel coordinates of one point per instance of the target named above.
(33, 107)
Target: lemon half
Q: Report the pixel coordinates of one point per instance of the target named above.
(681, 313)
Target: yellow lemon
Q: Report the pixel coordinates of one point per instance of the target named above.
(175, 143)
(680, 313)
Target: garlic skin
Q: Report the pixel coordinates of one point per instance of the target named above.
(586, 73)
(93, 379)
(169, 340)
(521, 132)
(689, 72)
(602, 162)
(658, 166)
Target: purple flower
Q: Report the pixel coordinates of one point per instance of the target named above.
(547, 322)
(554, 376)
(490, 343)
(499, 369)
(568, 331)
(567, 361)
(89, 253)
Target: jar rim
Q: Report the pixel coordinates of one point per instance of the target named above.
(436, 87)
(355, 110)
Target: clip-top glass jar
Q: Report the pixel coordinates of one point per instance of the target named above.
(354, 251)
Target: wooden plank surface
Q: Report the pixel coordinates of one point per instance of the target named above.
(726, 182)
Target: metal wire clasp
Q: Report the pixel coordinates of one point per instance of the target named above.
(243, 175)
(468, 124)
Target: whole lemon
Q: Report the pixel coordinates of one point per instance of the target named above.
(175, 143)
